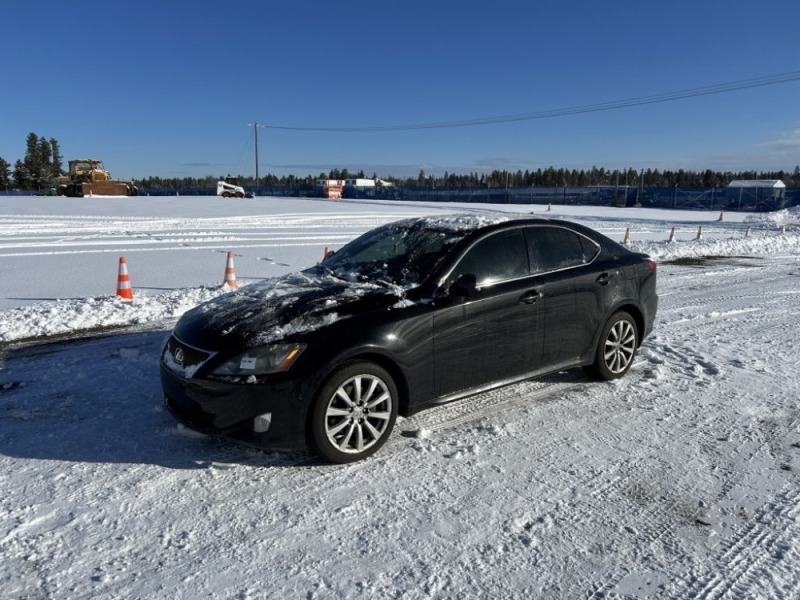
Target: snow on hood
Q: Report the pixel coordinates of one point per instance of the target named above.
(273, 309)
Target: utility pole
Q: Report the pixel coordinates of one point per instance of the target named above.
(255, 127)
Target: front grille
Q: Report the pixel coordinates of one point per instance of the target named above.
(183, 358)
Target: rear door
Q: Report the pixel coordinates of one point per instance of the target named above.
(573, 288)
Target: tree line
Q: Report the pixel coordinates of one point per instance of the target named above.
(549, 177)
(43, 163)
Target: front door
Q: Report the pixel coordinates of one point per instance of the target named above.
(496, 334)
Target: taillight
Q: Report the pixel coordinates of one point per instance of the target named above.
(651, 265)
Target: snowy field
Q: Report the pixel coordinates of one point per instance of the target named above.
(678, 481)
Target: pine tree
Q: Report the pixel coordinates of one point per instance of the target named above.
(21, 176)
(43, 175)
(5, 174)
(57, 161)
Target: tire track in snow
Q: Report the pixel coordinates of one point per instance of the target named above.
(759, 560)
(486, 404)
(637, 506)
(675, 357)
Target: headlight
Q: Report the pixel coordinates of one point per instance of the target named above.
(261, 361)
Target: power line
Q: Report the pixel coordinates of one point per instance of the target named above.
(576, 110)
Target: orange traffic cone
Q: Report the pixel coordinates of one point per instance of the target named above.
(627, 237)
(124, 290)
(230, 275)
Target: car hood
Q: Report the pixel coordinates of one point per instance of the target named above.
(275, 309)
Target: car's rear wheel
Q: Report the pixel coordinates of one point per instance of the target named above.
(354, 412)
(616, 348)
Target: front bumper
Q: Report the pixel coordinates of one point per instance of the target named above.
(230, 409)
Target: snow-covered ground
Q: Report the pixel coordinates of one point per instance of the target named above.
(680, 480)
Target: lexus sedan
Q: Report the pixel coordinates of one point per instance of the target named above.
(413, 313)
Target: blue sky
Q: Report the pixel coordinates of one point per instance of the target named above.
(169, 88)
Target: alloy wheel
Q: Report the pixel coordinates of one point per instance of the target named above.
(620, 346)
(359, 414)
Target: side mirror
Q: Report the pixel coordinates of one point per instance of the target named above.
(466, 286)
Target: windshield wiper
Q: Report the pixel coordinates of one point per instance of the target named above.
(328, 271)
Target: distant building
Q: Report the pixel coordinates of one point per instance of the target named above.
(355, 187)
(359, 183)
(758, 194)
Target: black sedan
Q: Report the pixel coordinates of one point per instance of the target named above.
(413, 313)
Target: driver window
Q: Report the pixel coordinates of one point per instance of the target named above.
(499, 257)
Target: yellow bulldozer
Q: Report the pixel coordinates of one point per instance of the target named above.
(88, 177)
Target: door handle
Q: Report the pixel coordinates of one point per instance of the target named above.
(530, 297)
(603, 279)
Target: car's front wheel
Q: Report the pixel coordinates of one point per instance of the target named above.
(616, 348)
(354, 412)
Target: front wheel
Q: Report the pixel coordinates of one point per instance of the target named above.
(616, 348)
(354, 412)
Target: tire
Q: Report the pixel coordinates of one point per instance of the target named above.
(354, 412)
(616, 348)
(239, 195)
(226, 194)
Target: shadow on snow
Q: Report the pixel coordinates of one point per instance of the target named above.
(99, 400)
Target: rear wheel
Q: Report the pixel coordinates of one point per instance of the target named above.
(354, 412)
(616, 348)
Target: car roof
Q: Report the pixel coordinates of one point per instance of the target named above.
(472, 225)
(469, 222)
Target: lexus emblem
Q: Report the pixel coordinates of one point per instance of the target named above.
(179, 356)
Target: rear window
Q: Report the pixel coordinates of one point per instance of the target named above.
(554, 248)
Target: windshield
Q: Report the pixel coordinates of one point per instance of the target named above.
(402, 253)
